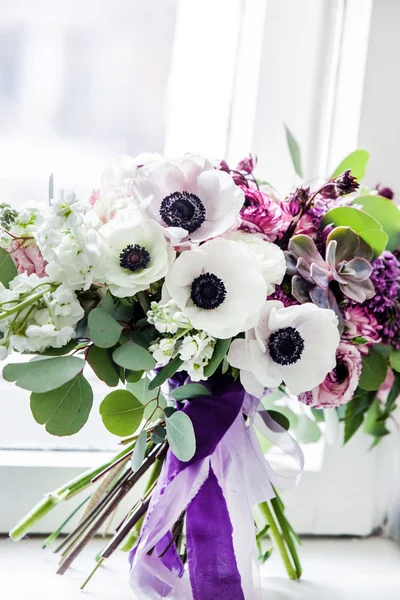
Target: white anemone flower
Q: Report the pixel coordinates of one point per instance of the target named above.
(192, 201)
(294, 345)
(134, 254)
(268, 255)
(217, 287)
(123, 168)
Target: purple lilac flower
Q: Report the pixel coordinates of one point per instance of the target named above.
(283, 296)
(391, 327)
(386, 278)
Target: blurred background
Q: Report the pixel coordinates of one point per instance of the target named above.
(84, 80)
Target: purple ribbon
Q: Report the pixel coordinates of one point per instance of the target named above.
(217, 488)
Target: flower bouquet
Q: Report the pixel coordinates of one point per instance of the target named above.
(198, 293)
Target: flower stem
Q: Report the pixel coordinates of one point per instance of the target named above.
(51, 500)
(278, 539)
(30, 300)
(143, 301)
(287, 535)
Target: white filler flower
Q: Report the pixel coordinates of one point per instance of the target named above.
(218, 287)
(295, 345)
(189, 198)
(134, 254)
(270, 257)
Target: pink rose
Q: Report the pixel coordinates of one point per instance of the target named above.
(27, 258)
(359, 322)
(340, 384)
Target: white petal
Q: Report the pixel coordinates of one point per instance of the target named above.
(251, 385)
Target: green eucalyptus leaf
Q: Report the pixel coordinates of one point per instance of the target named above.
(363, 224)
(294, 150)
(279, 418)
(166, 373)
(121, 412)
(133, 357)
(44, 374)
(102, 364)
(7, 268)
(386, 213)
(191, 390)
(71, 345)
(139, 451)
(357, 163)
(64, 410)
(374, 371)
(180, 435)
(220, 351)
(107, 304)
(158, 434)
(141, 390)
(134, 376)
(169, 410)
(104, 330)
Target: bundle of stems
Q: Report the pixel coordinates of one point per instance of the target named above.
(110, 484)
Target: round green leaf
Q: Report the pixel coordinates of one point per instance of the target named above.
(374, 370)
(191, 390)
(357, 163)
(394, 360)
(180, 435)
(388, 215)
(133, 357)
(368, 228)
(104, 330)
(65, 410)
(279, 418)
(7, 268)
(121, 412)
(158, 435)
(140, 389)
(133, 376)
(44, 374)
(101, 362)
(139, 451)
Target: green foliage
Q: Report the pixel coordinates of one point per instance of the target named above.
(294, 150)
(191, 390)
(357, 163)
(220, 351)
(44, 374)
(355, 411)
(374, 424)
(64, 410)
(103, 366)
(141, 390)
(166, 373)
(104, 330)
(279, 418)
(374, 371)
(71, 345)
(386, 213)
(180, 435)
(363, 224)
(7, 268)
(133, 376)
(134, 357)
(394, 359)
(158, 434)
(121, 412)
(139, 451)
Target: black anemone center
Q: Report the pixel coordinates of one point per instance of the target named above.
(134, 258)
(285, 346)
(341, 371)
(208, 291)
(182, 209)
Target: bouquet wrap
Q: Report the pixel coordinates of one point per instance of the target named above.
(217, 488)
